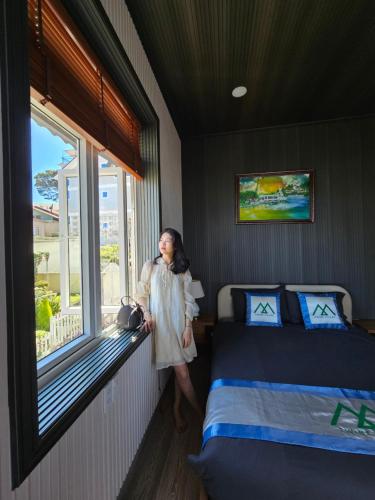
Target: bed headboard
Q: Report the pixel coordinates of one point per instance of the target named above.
(225, 307)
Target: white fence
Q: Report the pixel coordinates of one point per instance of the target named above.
(63, 328)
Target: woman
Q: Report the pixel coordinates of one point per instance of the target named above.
(166, 282)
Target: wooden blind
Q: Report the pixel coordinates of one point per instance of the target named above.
(67, 73)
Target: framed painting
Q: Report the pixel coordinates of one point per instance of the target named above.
(268, 197)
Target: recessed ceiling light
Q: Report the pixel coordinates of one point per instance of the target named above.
(239, 91)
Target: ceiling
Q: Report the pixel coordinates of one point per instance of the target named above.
(301, 60)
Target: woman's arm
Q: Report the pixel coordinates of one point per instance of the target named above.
(191, 310)
(148, 324)
(188, 333)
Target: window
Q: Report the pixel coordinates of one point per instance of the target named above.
(117, 248)
(57, 236)
(61, 301)
(112, 241)
(74, 224)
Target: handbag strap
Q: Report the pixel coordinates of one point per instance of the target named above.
(128, 297)
(135, 305)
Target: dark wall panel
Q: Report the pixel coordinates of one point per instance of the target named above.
(338, 248)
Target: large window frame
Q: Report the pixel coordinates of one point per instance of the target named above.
(28, 446)
(88, 175)
(47, 363)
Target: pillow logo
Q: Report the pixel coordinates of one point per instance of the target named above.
(264, 309)
(320, 311)
(324, 311)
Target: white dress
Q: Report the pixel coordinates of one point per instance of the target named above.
(170, 302)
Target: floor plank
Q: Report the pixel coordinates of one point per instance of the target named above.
(160, 470)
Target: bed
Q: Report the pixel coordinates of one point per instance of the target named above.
(261, 469)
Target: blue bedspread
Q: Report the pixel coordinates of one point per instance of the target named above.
(258, 469)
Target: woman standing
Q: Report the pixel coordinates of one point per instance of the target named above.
(166, 282)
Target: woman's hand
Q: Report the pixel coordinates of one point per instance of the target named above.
(187, 336)
(148, 325)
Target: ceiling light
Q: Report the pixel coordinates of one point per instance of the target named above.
(239, 91)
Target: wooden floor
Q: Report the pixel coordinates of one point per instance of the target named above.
(160, 470)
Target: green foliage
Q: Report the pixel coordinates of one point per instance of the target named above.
(297, 184)
(39, 334)
(55, 303)
(110, 253)
(42, 293)
(47, 185)
(43, 314)
(48, 304)
(41, 284)
(75, 299)
(247, 195)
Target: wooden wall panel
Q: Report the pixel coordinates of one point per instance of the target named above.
(300, 60)
(338, 248)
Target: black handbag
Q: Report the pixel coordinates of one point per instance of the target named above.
(130, 316)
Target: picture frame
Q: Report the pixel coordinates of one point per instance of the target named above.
(275, 197)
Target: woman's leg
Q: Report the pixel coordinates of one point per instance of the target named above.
(180, 422)
(184, 384)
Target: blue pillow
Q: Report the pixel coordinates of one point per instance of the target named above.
(263, 309)
(320, 311)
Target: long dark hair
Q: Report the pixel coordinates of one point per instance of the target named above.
(180, 262)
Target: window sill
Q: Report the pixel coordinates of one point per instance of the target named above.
(54, 363)
(64, 398)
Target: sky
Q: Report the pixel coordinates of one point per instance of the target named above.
(47, 151)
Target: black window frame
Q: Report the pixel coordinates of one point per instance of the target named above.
(27, 447)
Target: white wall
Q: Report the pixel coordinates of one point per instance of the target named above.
(91, 460)
(170, 147)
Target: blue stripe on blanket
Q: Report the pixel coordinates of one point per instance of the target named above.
(330, 392)
(289, 437)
